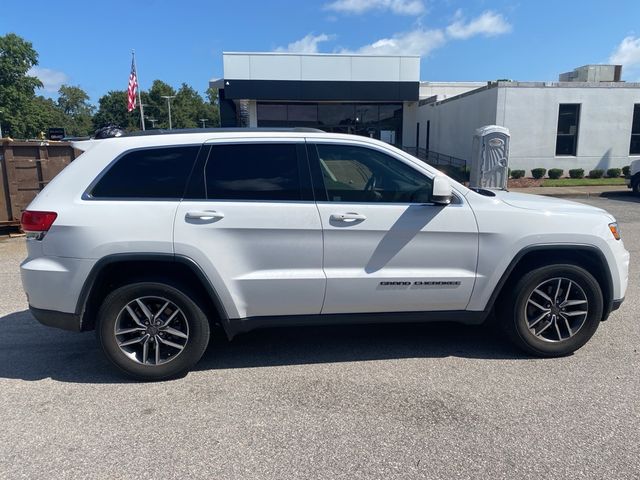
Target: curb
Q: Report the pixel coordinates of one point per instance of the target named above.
(573, 195)
(600, 193)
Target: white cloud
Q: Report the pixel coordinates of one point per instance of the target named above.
(307, 44)
(420, 41)
(489, 24)
(415, 42)
(627, 53)
(51, 80)
(358, 7)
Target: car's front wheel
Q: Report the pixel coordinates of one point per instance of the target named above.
(552, 310)
(152, 331)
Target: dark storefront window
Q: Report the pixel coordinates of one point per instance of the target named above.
(271, 112)
(376, 120)
(568, 123)
(336, 114)
(634, 148)
(302, 114)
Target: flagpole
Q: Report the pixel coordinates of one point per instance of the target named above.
(133, 52)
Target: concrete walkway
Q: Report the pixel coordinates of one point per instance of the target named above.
(589, 191)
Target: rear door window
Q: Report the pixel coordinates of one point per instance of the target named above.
(256, 171)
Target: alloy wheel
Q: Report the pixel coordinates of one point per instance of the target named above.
(151, 330)
(556, 309)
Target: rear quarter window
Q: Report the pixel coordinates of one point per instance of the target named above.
(148, 173)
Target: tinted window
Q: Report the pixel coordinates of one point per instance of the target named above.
(336, 114)
(302, 114)
(358, 174)
(271, 112)
(634, 148)
(568, 121)
(266, 171)
(148, 173)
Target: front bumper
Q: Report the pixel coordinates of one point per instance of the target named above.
(52, 318)
(627, 181)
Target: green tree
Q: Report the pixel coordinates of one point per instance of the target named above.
(112, 109)
(187, 107)
(156, 107)
(40, 113)
(212, 109)
(17, 87)
(78, 112)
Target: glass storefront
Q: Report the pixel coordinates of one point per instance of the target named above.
(377, 120)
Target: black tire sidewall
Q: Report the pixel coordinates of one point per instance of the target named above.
(198, 330)
(516, 322)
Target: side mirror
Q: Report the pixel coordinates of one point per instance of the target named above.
(442, 192)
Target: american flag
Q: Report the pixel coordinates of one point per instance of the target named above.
(133, 88)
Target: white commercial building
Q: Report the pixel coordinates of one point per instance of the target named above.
(553, 125)
(374, 96)
(588, 120)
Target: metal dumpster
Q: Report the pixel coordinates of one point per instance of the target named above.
(25, 169)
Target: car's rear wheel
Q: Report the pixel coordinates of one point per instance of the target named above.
(152, 331)
(553, 310)
(635, 184)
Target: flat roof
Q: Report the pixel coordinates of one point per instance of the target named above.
(567, 85)
(322, 54)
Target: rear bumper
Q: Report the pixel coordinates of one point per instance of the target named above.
(52, 318)
(54, 283)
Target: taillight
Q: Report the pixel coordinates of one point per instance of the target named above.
(36, 224)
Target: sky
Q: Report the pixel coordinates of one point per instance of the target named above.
(89, 43)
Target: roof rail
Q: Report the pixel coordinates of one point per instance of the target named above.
(162, 131)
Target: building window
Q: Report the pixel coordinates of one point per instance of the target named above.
(376, 120)
(634, 148)
(568, 123)
(269, 112)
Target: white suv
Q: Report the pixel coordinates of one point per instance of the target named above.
(152, 239)
(633, 179)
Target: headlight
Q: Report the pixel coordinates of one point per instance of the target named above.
(615, 230)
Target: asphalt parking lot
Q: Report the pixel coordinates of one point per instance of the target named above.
(409, 401)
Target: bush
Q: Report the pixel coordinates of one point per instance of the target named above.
(555, 173)
(576, 173)
(626, 171)
(597, 173)
(613, 172)
(517, 174)
(538, 172)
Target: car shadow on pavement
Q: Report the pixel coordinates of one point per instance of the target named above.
(353, 343)
(621, 196)
(30, 351)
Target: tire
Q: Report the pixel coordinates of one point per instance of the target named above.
(186, 327)
(635, 185)
(558, 332)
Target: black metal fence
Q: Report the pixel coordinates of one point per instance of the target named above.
(456, 168)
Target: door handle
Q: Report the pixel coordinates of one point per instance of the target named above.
(348, 217)
(203, 215)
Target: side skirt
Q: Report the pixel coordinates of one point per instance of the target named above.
(235, 326)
